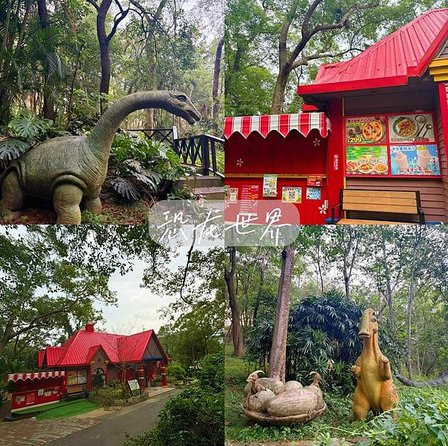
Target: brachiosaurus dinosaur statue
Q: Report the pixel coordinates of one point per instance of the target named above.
(375, 389)
(70, 169)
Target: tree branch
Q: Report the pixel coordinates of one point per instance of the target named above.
(117, 20)
(94, 4)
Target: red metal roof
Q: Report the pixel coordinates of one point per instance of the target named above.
(82, 346)
(283, 124)
(405, 53)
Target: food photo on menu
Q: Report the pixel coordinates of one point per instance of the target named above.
(398, 148)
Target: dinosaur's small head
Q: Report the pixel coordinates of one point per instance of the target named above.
(180, 105)
(368, 325)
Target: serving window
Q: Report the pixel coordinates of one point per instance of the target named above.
(392, 145)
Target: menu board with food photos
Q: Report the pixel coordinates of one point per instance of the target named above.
(392, 145)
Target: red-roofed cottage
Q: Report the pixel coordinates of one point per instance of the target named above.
(388, 113)
(87, 356)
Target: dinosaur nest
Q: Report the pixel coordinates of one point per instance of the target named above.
(270, 401)
(265, 418)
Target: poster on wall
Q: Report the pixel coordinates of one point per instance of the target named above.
(291, 194)
(231, 194)
(249, 198)
(313, 193)
(409, 128)
(76, 377)
(415, 160)
(366, 130)
(367, 160)
(270, 186)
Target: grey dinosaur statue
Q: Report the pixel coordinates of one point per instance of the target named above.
(72, 169)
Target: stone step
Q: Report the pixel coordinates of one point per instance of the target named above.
(201, 181)
(210, 193)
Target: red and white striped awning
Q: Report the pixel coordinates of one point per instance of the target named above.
(36, 375)
(283, 124)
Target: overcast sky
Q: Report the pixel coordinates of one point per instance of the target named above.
(137, 308)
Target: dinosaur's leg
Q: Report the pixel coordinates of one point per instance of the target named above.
(389, 396)
(361, 405)
(66, 200)
(93, 203)
(12, 197)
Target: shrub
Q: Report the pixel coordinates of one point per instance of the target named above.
(142, 168)
(422, 420)
(176, 372)
(193, 418)
(322, 336)
(196, 416)
(105, 396)
(211, 372)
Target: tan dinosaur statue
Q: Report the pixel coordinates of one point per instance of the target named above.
(375, 389)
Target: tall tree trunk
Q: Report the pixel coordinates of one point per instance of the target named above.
(229, 277)
(215, 89)
(103, 42)
(278, 98)
(277, 357)
(261, 270)
(44, 20)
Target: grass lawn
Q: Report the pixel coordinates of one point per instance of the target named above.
(429, 420)
(61, 409)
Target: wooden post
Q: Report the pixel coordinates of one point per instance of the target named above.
(205, 155)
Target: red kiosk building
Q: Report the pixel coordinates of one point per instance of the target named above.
(88, 355)
(388, 113)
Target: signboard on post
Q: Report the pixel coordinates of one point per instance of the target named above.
(134, 387)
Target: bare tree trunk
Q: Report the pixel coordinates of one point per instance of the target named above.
(215, 89)
(441, 380)
(277, 357)
(229, 277)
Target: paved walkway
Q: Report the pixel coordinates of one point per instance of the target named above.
(32, 432)
(95, 428)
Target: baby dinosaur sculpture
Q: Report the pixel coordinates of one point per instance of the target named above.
(375, 389)
(71, 169)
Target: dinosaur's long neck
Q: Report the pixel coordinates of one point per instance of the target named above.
(102, 135)
(371, 347)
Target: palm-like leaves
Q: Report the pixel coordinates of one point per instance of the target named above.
(322, 330)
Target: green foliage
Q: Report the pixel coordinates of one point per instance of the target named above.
(422, 420)
(193, 418)
(321, 329)
(12, 148)
(29, 127)
(211, 372)
(176, 372)
(142, 167)
(105, 396)
(24, 131)
(195, 333)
